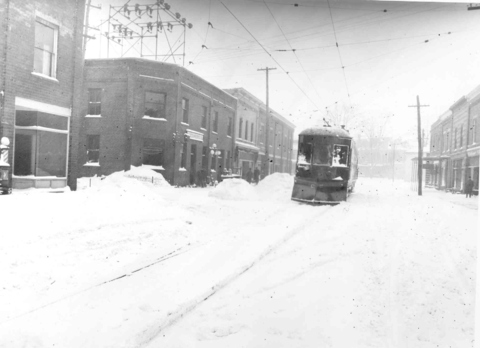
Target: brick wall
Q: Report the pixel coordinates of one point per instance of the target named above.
(124, 83)
(17, 52)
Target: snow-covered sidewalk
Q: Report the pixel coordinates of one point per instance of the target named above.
(130, 264)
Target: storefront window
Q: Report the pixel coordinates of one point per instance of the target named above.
(40, 151)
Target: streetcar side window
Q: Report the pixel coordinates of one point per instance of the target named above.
(305, 153)
(340, 155)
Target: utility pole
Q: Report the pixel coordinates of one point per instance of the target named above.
(420, 144)
(87, 26)
(267, 144)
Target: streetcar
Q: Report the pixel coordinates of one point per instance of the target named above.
(327, 165)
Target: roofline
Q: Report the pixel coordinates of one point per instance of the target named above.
(149, 61)
(261, 104)
(458, 102)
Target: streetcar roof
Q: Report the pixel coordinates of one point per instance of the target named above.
(327, 131)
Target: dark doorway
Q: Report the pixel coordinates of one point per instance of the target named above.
(193, 163)
(24, 155)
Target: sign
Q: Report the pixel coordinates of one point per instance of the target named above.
(195, 135)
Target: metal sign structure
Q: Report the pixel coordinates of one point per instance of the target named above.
(147, 30)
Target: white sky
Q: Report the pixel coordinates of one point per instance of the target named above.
(387, 61)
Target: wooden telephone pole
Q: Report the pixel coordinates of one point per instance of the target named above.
(267, 143)
(420, 144)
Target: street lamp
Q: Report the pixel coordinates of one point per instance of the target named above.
(214, 151)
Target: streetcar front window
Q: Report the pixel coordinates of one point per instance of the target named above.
(340, 156)
(305, 154)
(323, 155)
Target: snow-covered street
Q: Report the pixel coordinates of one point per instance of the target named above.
(128, 263)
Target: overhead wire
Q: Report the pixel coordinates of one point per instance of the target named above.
(298, 59)
(269, 54)
(338, 49)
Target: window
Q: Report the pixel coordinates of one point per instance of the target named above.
(251, 132)
(215, 122)
(473, 130)
(153, 151)
(183, 155)
(45, 60)
(229, 159)
(455, 139)
(305, 152)
(240, 128)
(94, 101)
(340, 155)
(185, 110)
(461, 136)
(93, 148)
(323, 155)
(204, 117)
(155, 104)
(229, 127)
(40, 144)
(246, 130)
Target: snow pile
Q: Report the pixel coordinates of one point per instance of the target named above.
(234, 189)
(138, 180)
(277, 187)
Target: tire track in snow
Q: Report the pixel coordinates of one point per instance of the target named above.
(186, 308)
(162, 258)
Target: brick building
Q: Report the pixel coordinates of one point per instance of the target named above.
(250, 136)
(40, 77)
(143, 112)
(454, 145)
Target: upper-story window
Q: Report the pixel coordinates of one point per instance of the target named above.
(45, 56)
(94, 101)
(455, 139)
(229, 127)
(155, 104)
(473, 130)
(215, 122)
(461, 136)
(240, 128)
(185, 110)
(204, 117)
(251, 132)
(246, 130)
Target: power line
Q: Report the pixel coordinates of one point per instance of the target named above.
(338, 49)
(299, 61)
(269, 54)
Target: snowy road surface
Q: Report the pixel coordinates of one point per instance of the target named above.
(130, 264)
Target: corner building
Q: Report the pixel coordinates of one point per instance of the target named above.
(41, 62)
(139, 112)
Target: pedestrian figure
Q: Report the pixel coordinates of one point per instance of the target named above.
(249, 175)
(256, 175)
(469, 187)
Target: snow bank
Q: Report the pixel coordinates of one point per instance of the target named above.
(234, 189)
(277, 187)
(137, 180)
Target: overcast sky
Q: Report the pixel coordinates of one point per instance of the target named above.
(390, 52)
